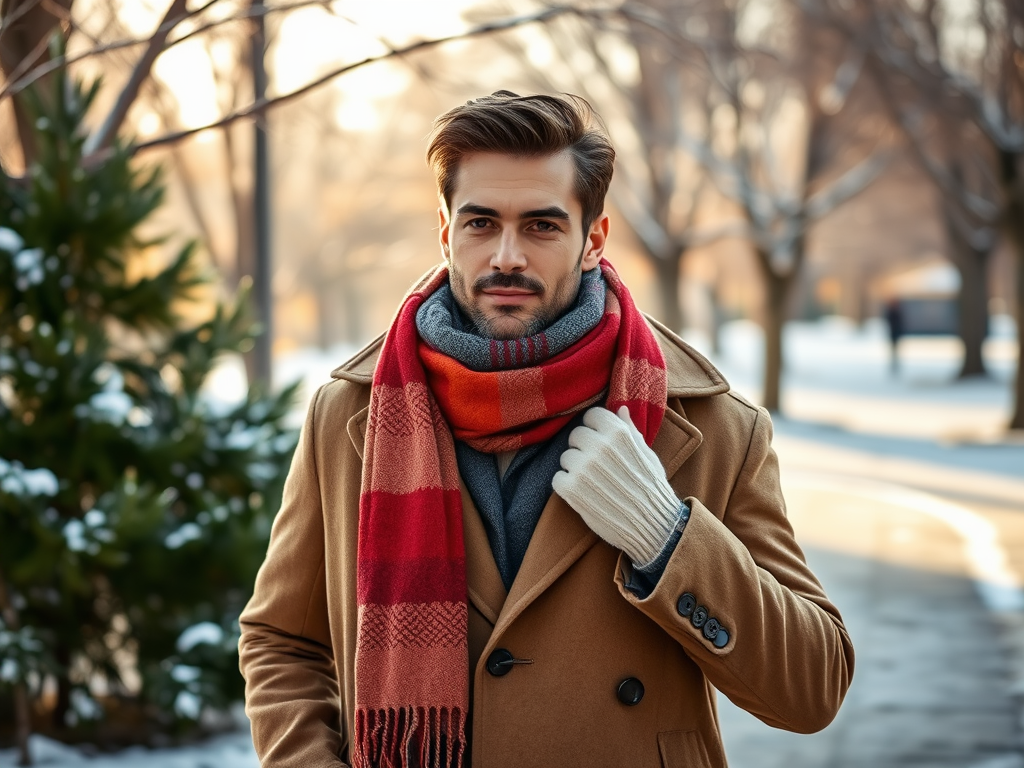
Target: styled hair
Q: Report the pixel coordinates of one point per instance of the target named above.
(526, 126)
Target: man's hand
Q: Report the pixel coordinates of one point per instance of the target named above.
(617, 485)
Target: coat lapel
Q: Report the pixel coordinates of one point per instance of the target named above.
(559, 540)
(483, 580)
(677, 439)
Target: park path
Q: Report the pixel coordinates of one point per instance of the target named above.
(934, 680)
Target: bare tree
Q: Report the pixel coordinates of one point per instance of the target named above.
(958, 71)
(787, 150)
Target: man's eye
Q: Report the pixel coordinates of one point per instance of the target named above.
(546, 226)
(479, 223)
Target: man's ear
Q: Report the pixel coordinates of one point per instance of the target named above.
(593, 248)
(443, 231)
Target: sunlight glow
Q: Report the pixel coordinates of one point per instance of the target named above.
(186, 70)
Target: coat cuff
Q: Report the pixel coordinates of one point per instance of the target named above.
(642, 581)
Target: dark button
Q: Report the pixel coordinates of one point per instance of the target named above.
(722, 638)
(712, 628)
(630, 691)
(686, 604)
(699, 616)
(500, 662)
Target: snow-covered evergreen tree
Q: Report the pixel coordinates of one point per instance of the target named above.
(134, 511)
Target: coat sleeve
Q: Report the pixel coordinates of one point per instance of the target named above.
(291, 689)
(786, 656)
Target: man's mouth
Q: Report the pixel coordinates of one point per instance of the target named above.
(507, 297)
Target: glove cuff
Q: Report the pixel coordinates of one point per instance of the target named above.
(654, 522)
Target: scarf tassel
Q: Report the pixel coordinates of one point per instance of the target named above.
(409, 737)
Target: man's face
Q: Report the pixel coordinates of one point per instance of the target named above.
(514, 241)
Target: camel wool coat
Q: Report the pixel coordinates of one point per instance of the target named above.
(613, 679)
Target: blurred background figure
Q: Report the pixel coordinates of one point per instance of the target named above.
(894, 319)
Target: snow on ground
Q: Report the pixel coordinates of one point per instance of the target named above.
(838, 389)
(230, 751)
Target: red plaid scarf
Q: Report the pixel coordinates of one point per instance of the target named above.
(412, 667)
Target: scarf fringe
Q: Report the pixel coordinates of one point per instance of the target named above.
(409, 737)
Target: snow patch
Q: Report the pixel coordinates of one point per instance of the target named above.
(29, 266)
(84, 705)
(186, 533)
(182, 673)
(229, 751)
(18, 481)
(10, 241)
(9, 671)
(113, 407)
(204, 633)
(74, 535)
(188, 705)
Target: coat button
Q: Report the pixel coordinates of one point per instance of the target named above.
(630, 691)
(700, 615)
(722, 638)
(500, 662)
(711, 629)
(686, 604)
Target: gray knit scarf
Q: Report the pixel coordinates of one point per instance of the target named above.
(444, 327)
(510, 506)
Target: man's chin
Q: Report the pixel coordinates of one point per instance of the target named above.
(505, 327)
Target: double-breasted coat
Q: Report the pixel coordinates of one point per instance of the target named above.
(614, 680)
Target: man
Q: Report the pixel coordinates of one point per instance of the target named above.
(529, 526)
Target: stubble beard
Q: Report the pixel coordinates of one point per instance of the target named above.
(505, 325)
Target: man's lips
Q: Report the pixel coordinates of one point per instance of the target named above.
(508, 292)
(506, 297)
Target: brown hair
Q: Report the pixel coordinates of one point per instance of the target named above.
(526, 126)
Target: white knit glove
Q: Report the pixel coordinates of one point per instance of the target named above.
(617, 485)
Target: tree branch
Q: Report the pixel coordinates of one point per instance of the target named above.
(14, 87)
(102, 138)
(22, 10)
(262, 105)
(849, 185)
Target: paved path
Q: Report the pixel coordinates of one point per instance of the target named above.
(933, 682)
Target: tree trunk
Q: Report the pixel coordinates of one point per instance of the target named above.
(972, 301)
(22, 709)
(1013, 191)
(717, 316)
(669, 272)
(23, 47)
(777, 289)
(1017, 419)
(62, 706)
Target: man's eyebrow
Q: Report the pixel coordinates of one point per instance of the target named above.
(554, 212)
(477, 210)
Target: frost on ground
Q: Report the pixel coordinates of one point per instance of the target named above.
(230, 751)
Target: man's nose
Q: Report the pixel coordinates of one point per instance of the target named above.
(509, 255)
